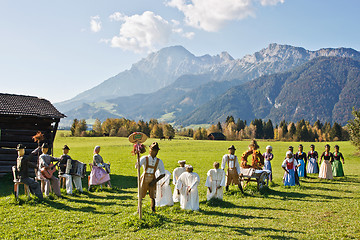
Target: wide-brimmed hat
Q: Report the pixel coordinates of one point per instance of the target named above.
(327, 145)
(20, 146)
(312, 145)
(45, 145)
(65, 147)
(268, 147)
(291, 147)
(232, 147)
(336, 146)
(154, 146)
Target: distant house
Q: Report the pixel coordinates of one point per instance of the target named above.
(20, 119)
(216, 136)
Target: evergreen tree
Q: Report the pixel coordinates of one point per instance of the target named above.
(292, 130)
(73, 126)
(240, 124)
(230, 119)
(354, 128)
(219, 126)
(259, 130)
(335, 132)
(268, 130)
(318, 124)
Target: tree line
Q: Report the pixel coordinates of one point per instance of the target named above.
(260, 129)
(233, 130)
(121, 127)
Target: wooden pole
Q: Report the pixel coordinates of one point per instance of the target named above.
(139, 197)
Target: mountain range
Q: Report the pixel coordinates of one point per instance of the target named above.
(325, 89)
(176, 86)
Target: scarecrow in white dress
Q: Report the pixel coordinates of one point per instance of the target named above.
(187, 188)
(163, 190)
(176, 174)
(215, 182)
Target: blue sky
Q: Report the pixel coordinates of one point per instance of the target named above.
(57, 49)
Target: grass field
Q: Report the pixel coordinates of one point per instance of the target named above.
(319, 209)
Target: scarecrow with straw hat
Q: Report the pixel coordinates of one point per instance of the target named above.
(69, 178)
(257, 159)
(148, 180)
(23, 163)
(233, 171)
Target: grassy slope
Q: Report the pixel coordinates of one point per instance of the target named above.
(324, 209)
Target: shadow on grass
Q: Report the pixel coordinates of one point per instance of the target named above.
(326, 189)
(235, 215)
(240, 230)
(225, 204)
(280, 237)
(269, 193)
(62, 206)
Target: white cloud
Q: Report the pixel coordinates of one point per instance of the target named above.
(211, 15)
(145, 32)
(141, 33)
(270, 2)
(95, 24)
(117, 16)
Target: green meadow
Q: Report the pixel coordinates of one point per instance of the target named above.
(318, 209)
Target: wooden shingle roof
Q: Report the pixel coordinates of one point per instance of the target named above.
(20, 105)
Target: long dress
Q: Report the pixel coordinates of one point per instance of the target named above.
(289, 178)
(313, 166)
(189, 181)
(163, 190)
(267, 164)
(325, 168)
(176, 174)
(98, 175)
(215, 179)
(301, 159)
(337, 168)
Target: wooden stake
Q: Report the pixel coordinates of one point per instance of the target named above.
(140, 199)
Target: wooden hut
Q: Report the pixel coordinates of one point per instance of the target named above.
(216, 136)
(20, 119)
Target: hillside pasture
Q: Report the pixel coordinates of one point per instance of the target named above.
(318, 209)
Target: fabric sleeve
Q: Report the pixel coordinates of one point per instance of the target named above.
(223, 179)
(178, 185)
(42, 162)
(36, 151)
(174, 178)
(341, 156)
(167, 176)
(271, 156)
(197, 181)
(223, 163)
(161, 167)
(284, 164)
(237, 165)
(142, 161)
(208, 181)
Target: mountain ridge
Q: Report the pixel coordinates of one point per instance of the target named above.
(218, 73)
